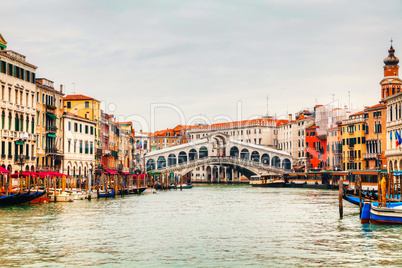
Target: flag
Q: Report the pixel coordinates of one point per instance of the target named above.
(140, 144)
(396, 138)
(390, 135)
(399, 139)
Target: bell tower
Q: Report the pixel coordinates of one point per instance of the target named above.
(391, 83)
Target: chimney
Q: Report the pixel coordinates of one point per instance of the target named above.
(290, 118)
(61, 88)
(76, 112)
(140, 130)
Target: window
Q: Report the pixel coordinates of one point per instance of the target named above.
(80, 147)
(87, 104)
(86, 129)
(69, 104)
(80, 128)
(69, 126)
(75, 127)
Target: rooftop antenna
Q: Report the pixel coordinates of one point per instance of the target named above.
(267, 106)
(74, 89)
(391, 41)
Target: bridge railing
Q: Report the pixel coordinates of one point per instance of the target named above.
(221, 160)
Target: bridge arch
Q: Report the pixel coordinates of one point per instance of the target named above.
(161, 162)
(192, 155)
(265, 159)
(150, 165)
(255, 156)
(276, 161)
(244, 154)
(203, 152)
(172, 160)
(182, 157)
(234, 151)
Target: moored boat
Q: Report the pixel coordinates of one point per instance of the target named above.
(269, 180)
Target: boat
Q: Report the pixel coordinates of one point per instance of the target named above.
(149, 190)
(110, 193)
(134, 190)
(391, 214)
(60, 196)
(5, 200)
(183, 186)
(269, 180)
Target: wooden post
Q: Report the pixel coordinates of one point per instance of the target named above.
(355, 182)
(47, 184)
(360, 195)
(181, 182)
(63, 184)
(340, 198)
(7, 183)
(138, 183)
(379, 190)
(54, 189)
(388, 189)
(383, 192)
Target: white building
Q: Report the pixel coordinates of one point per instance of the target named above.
(142, 147)
(18, 110)
(79, 150)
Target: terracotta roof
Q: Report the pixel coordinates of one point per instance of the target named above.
(78, 97)
(124, 123)
(358, 113)
(379, 105)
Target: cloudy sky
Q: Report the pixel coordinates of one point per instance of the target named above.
(181, 59)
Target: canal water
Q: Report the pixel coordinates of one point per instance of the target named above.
(209, 225)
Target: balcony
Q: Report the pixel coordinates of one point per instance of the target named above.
(51, 128)
(106, 152)
(10, 134)
(98, 151)
(393, 152)
(370, 156)
(3, 156)
(351, 158)
(18, 158)
(51, 150)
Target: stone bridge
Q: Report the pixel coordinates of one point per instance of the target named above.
(216, 151)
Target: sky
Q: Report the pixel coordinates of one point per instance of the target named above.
(161, 63)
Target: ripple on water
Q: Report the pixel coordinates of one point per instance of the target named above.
(216, 225)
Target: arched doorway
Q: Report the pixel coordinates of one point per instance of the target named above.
(161, 162)
(255, 156)
(182, 157)
(172, 160)
(234, 151)
(244, 154)
(276, 162)
(286, 164)
(265, 159)
(203, 152)
(209, 174)
(192, 155)
(150, 164)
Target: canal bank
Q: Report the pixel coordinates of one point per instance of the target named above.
(209, 225)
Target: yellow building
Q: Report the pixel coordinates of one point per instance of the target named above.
(49, 113)
(354, 141)
(126, 146)
(88, 108)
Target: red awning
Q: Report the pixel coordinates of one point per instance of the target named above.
(3, 170)
(113, 172)
(125, 173)
(25, 174)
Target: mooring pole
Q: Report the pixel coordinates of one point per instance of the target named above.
(340, 198)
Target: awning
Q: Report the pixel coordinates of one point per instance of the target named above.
(125, 173)
(52, 116)
(3, 170)
(113, 172)
(24, 174)
(51, 135)
(20, 143)
(52, 174)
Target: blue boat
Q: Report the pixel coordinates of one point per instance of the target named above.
(110, 193)
(390, 215)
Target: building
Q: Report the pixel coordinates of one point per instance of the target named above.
(263, 131)
(334, 148)
(354, 141)
(376, 136)
(141, 148)
(391, 93)
(49, 127)
(85, 107)
(126, 147)
(170, 137)
(79, 145)
(103, 153)
(316, 146)
(18, 110)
